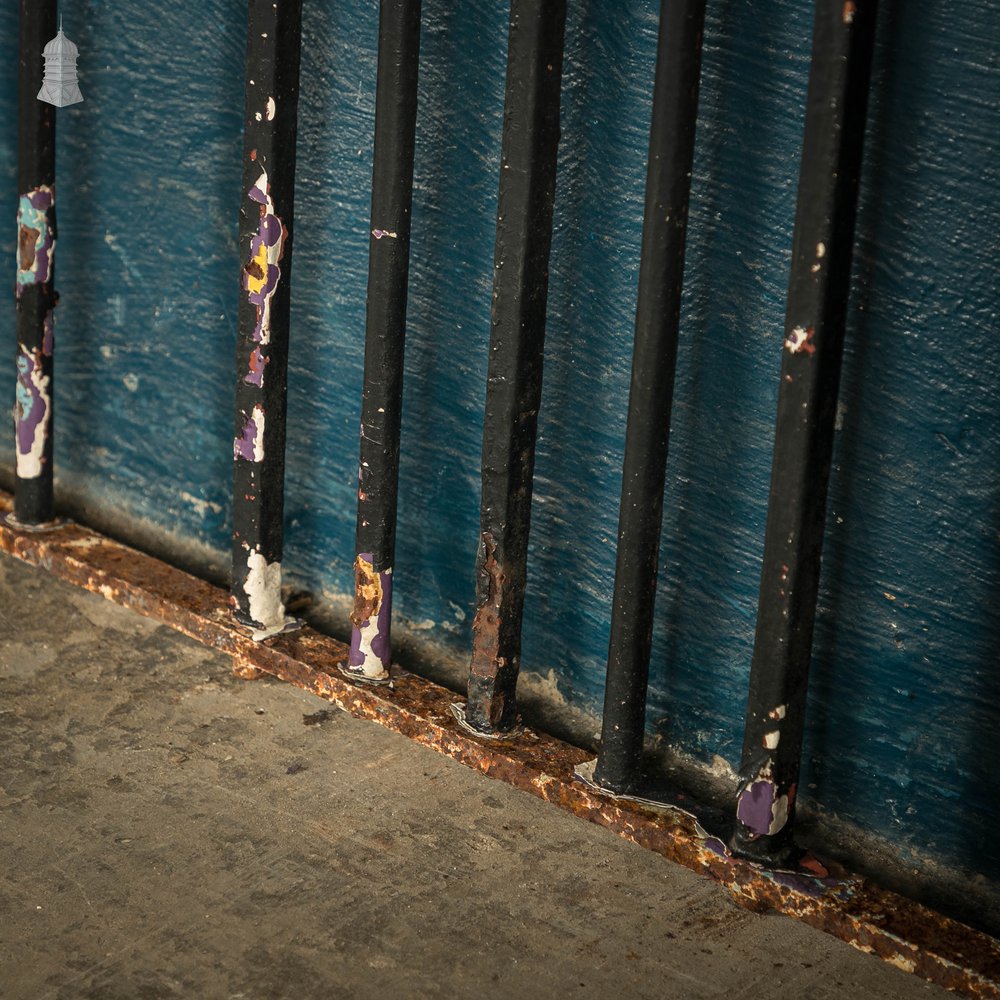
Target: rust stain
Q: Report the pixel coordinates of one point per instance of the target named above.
(486, 624)
(487, 708)
(253, 269)
(367, 592)
(849, 11)
(26, 240)
(897, 930)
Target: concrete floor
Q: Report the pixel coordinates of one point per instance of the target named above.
(169, 831)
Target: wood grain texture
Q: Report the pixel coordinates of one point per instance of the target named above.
(905, 686)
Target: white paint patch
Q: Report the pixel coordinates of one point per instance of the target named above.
(779, 814)
(259, 116)
(906, 964)
(820, 251)
(263, 590)
(796, 340)
(258, 437)
(372, 665)
(29, 465)
(778, 712)
(772, 739)
(269, 113)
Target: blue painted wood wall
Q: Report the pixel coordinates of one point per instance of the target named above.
(903, 722)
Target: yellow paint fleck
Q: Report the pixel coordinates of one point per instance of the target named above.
(257, 276)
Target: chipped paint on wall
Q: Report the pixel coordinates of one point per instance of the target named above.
(261, 273)
(36, 240)
(250, 444)
(370, 654)
(32, 410)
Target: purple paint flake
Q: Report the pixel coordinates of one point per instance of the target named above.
(800, 883)
(48, 335)
(754, 807)
(716, 846)
(248, 444)
(31, 407)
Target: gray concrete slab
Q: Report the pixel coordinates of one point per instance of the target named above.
(169, 831)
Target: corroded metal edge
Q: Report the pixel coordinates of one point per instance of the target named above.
(897, 930)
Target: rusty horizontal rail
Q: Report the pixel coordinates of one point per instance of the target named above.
(897, 930)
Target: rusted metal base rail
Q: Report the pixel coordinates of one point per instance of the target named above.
(871, 919)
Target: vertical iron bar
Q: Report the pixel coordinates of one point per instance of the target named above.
(35, 289)
(661, 274)
(816, 311)
(514, 382)
(272, 83)
(385, 333)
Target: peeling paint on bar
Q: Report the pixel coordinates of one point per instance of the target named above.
(801, 339)
(36, 241)
(250, 445)
(266, 222)
(34, 285)
(389, 223)
(261, 272)
(886, 925)
(255, 374)
(263, 589)
(370, 653)
(32, 413)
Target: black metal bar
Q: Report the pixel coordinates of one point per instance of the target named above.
(657, 319)
(807, 398)
(385, 333)
(272, 83)
(514, 381)
(35, 289)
